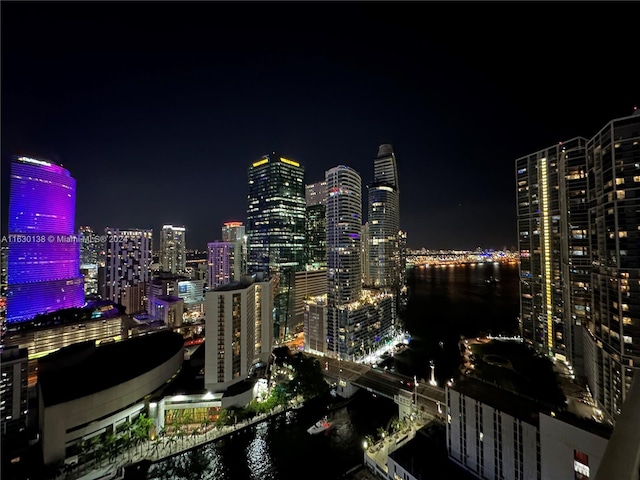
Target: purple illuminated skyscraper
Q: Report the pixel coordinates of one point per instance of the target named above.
(43, 271)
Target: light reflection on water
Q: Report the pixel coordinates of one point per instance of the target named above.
(260, 463)
(281, 448)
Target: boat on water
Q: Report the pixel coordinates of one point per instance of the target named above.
(320, 426)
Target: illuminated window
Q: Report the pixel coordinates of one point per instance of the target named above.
(580, 465)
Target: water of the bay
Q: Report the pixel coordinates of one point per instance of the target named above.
(444, 303)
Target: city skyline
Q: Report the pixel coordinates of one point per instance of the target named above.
(179, 109)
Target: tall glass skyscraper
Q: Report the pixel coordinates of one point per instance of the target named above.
(384, 221)
(276, 229)
(316, 225)
(43, 268)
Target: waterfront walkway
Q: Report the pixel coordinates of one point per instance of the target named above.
(165, 447)
(375, 456)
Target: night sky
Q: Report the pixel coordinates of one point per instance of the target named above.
(159, 108)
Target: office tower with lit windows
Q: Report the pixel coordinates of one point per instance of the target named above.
(554, 253)
(238, 322)
(316, 225)
(612, 340)
(90, 247)
(127, 269)
(276, 229)
(173, 255)
(384, 221)
(43, 264)
(225, 263)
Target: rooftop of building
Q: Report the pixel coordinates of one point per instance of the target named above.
(92, 312)
(159, 276)
(169, 298)
(426, 453)
(516, 367)
(512, 378)
(244, 282)
(84, 369)
(522, 408)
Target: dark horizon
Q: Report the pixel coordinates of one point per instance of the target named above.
(158, 108)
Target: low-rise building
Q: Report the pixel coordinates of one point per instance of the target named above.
(86, 390)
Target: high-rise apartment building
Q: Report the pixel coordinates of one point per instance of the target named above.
(612, 354)
(127, 269)
(173, 255)
(384, 221)
(276, 229)
(225, 263)
(239, 330)
(554, 254)
(355, 319)
(43, 271)
(579, 242)
(344, 224)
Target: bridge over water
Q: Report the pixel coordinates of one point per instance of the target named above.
(424, 399)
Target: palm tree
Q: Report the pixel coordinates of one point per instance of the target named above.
(194, 434)
(205, 425)
(180, 434)
(171, 441)
(109, 444)
(155, 445)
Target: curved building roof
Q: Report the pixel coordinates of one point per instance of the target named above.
(84, 369)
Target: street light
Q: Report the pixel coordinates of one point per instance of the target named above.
(432, 380)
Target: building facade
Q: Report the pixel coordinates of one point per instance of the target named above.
(309, 283)
(232, 231)
(127, 267)
(276, 229)
(225, 263)
(344, 223)
(553, 244)
(578, 234)
(173, 255)
(14, 407)
(384, 221)
(495, 434)
(90, 258)
(43, 264)
(238, 322)
(612, 353)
